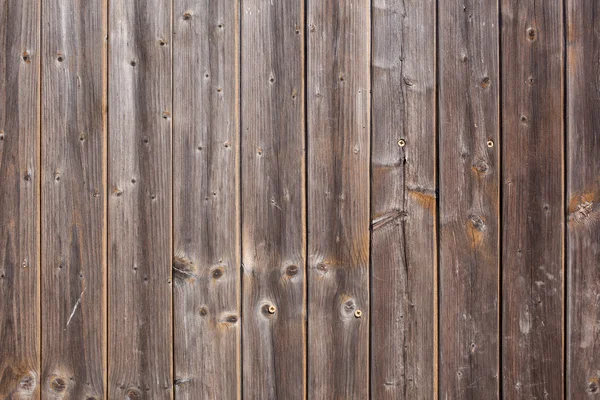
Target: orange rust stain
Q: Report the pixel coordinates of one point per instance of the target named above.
(475, 234)
(426, 200)
(183, 270)
(475, 230)
(17, 380)
(571, 32)
(584, 208)
(572, 56)
(592, 196)
(227, 321)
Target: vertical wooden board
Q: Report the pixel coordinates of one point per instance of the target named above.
(338, 98)
(532, 209)
(206, 218)
(583, 194)
(469, 199)
(73, 202)
(273, 200)
(19, 199)
(139, 200)
(403, 198)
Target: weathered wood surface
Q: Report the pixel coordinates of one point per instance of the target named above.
(469, 199)
(583, 198)
(403, 215)
(206, 233)
(19, 199)
(73, 199)
(273, 205)
(338, 114)
(139, 200)
(196, 203)
(533, 206)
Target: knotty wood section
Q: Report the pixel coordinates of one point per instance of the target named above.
(338, 98)
(140, 190)
(469, 199)
(206, 266)
(19, 199)
(403, 254)
(532, 210)
(73, 199)
(583, 196)
(273, 206)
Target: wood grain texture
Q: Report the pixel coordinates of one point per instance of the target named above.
(338, 98)
(469, 199)
(140, 196)
(19, 199)
(403, 198)
(532, 210)
(583, 194)
(206, 266)
(73, 201)
(273, 205)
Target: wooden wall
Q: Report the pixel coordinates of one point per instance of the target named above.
(291, 199)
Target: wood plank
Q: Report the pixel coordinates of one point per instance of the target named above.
(533, 209)
(469, 199)
(140, 197)
(338, 98)
(273, 206)
(73, 201)
(583, 194)
(19, 199)
(403, 211)
(206, 204)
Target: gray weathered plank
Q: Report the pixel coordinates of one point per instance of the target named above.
(19, 199)
(583, 194)
(273, 213)
(139, 200)
(73, 187)
(206, 233)
(338, 98)
(469, 199)
(532, 204)
(403, 211)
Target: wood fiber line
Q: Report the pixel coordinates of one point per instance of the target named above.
(73, 201)
(19, 199)
(403, 201)
(140, 196)
(532, 204)
(469, 199)
(206, 145)
(338, 114)
(583, 199)
(273, 205)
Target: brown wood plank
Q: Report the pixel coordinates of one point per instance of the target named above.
(338, 98)
(469, 199)
(273, 200)
(403, 211)
(19, 199)
(533, 209)
(206, 263)
(583, 194)
(140, 196)
(73, 200)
